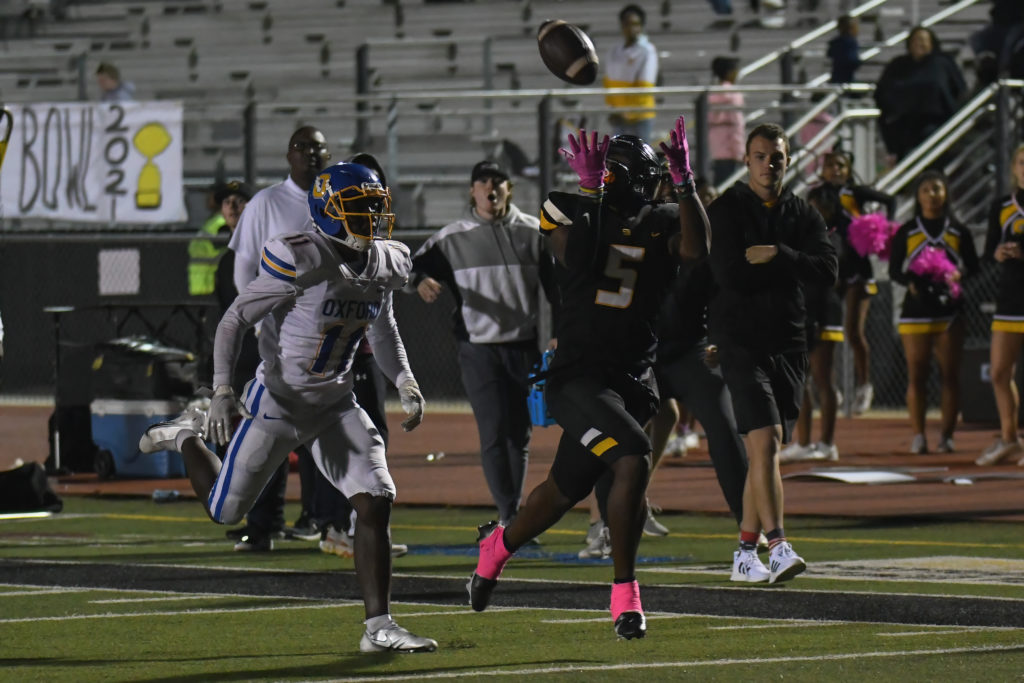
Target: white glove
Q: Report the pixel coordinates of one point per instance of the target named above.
(224, 407)
(412, 404)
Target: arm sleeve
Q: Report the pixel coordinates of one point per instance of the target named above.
(259, 298)
(430, 261)
(814, 261)
(386, 342)
(864, 194)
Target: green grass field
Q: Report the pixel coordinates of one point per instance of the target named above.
(127, 590)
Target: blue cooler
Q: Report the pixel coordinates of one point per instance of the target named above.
(117, 426)
(535, 400)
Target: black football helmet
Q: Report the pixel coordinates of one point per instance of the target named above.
(634, 171)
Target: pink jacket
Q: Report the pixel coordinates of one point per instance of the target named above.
(726, 128)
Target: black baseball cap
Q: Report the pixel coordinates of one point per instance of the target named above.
(486, 169)
(224, 190)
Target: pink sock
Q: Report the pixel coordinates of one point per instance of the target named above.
(625, 598)
(493, 555)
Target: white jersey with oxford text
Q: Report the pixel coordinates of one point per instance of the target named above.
(315, 308)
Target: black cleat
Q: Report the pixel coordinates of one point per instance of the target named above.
(479, 588)
(631, 625)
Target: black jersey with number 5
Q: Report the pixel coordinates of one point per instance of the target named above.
(614, 278)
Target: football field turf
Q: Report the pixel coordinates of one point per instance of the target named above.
(127, 590)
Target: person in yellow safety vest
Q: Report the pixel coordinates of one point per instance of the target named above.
(204, 254)
(632, 64)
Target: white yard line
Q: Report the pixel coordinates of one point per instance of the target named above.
(597, 668)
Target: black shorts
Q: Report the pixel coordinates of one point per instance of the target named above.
(602, 413)
(766, 390)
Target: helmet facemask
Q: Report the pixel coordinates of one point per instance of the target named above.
(354, 215)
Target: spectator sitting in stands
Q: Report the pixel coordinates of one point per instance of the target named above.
(108, 77)
(917, 93)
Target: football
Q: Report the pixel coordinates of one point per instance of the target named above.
(567, 52)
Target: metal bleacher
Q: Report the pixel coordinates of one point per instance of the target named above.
(293, 62)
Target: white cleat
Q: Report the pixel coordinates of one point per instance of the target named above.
(394, 638)
(784, 563)
(862, 399)
(163, 435)
(748, 568)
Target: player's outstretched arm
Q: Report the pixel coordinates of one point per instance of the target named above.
(695, 229)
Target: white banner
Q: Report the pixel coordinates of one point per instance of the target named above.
(94, 162)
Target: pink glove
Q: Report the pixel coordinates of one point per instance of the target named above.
(587, 159)
(678, 154)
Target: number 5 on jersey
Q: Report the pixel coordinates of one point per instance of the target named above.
(619, 255)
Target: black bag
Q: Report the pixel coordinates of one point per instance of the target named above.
(26, 489)
(142, 368)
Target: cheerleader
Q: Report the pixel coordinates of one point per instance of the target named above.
(931, 255)
(1003, 245)
(856, 276)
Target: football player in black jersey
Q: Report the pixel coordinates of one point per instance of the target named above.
(617, 250)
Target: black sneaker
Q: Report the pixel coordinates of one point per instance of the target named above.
(304, 529)
(631, 625)
(255, 543)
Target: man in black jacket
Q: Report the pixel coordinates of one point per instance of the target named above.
(767, 247)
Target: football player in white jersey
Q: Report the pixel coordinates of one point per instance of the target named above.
(317, 294)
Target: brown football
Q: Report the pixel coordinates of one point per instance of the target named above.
(567, 52)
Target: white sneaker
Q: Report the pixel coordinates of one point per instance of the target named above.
(826, 451)
(675, 448)
(945, 445)
(653, 527)
(691, 439)
(862, 398)
(747, 567)
(600, 547)
(999, 450)
(337, 542)
(396, 639)
(784, 563)
(919, 445)
(162, 436)
(796, 452)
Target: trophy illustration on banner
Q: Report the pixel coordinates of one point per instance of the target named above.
(151, 140)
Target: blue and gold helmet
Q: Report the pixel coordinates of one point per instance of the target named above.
(349, 204)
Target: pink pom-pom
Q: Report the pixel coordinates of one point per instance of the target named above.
(871, 234)
(933, 263)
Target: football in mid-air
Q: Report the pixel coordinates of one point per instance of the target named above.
(567, 52)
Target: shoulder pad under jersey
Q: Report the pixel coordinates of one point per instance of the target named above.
(286, 257)
(560, 210)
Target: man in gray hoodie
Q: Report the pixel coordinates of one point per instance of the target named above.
(494, 261)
